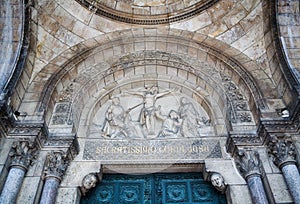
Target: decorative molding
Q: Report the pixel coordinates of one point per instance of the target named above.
(132, 18)
(23, 154)
(238, 105)
(248, 162)
(235, 140)
(56, 164)
(67, 141)
(282, 151)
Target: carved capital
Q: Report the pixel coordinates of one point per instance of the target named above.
(23, 154)
(282, 150)
(57, 163)
(248, 163)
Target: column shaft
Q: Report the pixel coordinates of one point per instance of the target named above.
(257, 190)
(292, 178)
(50, 191)
(12, 185)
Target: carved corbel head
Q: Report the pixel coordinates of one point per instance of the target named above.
(218, 181)
(89, 182)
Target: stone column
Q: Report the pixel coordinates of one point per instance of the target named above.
(249, 165)
(56, 165)
(283, 152)
(23, 154)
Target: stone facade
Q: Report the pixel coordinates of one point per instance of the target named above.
(96, 87)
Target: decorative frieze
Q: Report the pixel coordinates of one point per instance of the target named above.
(180, 11)
(23, 153)
(242, 139)
(282, 151)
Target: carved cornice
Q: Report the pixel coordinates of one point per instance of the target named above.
(23, 154)
(276, 126)
(132, 18)
(282, 151)
(64, 141)
(235, 140)
(39, 131)
(248, 163)
(56, 164)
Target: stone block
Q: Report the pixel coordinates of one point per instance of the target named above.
(264, 157)
(239, 194)
(3, 175)
(30, 190)
(279, 188)
(68, 196)
(4, 151)
(77, 170)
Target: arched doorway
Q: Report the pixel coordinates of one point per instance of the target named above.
(167, 188)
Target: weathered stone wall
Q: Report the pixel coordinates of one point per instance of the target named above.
(289, 27)
(11, 25)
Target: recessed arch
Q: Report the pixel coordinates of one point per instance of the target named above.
(192, 46)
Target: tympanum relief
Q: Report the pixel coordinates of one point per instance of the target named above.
(151, 112)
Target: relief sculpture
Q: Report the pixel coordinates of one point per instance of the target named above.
(152, 114)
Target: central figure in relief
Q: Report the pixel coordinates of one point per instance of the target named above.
(151, 113)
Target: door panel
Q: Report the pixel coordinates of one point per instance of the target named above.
(183, 188)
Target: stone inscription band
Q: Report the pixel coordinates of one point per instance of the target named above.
(151, 150)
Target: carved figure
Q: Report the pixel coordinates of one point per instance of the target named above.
(88, 182)
(115, 120)
(218, 181)
(191, 118)
(148, 112)
(172, 125)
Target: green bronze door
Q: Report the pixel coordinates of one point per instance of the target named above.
(183, 188)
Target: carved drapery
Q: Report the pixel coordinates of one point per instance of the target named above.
(249, 165)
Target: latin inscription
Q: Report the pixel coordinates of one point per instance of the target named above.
(149, 150)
